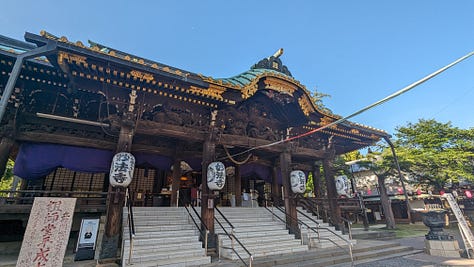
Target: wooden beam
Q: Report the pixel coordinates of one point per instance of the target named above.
(65, 140)
(162, 129)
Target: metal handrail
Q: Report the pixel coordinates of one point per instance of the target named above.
(232, 237)
(349, 226)
(225, 218)
(204, 237)
(311, 201)
(349, 243)
(131, 225)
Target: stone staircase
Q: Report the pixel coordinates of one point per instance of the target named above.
(164, 237)
(364, 251)
(255, 228)
(327, 238)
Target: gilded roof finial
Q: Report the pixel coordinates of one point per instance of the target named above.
(278, 53)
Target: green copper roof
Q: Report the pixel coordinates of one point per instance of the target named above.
(247, 77)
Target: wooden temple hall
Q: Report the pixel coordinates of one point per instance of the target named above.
(68, 107)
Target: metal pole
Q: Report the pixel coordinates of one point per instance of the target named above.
(40, 51)
(395, 158)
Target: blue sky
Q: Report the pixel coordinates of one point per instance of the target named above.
(355, 51)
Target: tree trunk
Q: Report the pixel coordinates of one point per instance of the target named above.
(386, 205)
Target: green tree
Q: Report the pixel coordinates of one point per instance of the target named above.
(317, 99)
(435, 154)
(381, 163)
(309, 185)
(7, 179)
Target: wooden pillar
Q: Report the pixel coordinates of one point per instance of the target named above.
(328, 165)
(115, 201)
(176, 175)
(207, 204)
(318, 192)
(276, 192)
(238, 186)
(290, 203)
(6, 146)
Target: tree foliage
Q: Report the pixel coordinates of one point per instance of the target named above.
(317, 99)
(434, 153)
(7, 179)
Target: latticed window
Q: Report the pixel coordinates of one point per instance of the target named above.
(63, 179)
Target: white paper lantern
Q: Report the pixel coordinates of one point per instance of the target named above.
(342, 185)
(216, 176)
(298, 181)
(121, 171)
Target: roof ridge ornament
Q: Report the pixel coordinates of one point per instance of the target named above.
(278, 53)
(273, 63)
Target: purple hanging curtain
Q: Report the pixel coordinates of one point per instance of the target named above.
(36, 160)
(156, 161)
(263, 172)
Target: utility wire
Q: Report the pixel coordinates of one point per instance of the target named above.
(341, 120)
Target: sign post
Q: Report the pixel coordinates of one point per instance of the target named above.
(47, 232)
(85, 248)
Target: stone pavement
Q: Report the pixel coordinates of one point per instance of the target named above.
(419, 259)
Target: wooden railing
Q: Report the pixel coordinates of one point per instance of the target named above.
(20, 201)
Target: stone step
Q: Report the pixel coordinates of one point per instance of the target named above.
(146, 256)
(269, 249)
(255, 228)
(267, 232)
(160, 223)
(164, 248)
(244, 224)
(152, 228)
(343, 260)
(259, 239)
(157, 242)
(165, 236)
(158, 234)
(240, 219)
(329, 257)
(176, 262)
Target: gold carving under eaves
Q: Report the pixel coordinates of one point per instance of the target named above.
(70, 58)
(354, 131)
(326, 121)
(279, 85)
(250, 89)
(142, 75)
(305, 105)
(214, 91)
